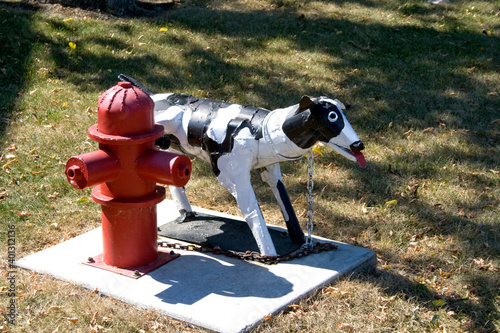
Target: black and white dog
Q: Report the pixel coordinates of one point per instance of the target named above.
(236, 139)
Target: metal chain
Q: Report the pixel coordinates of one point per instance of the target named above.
(250, 255)
(310, 199)
(308, 248)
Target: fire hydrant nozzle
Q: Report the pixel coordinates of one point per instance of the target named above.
(126, 169)
(92, 168)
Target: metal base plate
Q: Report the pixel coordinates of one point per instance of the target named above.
(164, 256)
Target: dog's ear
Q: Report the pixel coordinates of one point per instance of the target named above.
(342, 105)
(305, 103)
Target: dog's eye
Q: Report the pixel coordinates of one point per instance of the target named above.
(332, 116)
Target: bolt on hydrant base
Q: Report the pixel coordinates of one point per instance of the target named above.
(164, 256)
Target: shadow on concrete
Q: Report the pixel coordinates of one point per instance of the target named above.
(218, 277)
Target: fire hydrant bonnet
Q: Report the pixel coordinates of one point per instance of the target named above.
(122, 110)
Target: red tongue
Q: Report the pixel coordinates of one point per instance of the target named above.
(360, 158)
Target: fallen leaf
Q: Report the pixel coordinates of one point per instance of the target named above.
(53, 195)
(345, 326)
(391, 203)
(435, 319)
(55, 308)
(268, 316)
(381, 299)
(6, 165)
(82, 199)
(330, 290)
(485, 266)
(23, 213)
(73, 320)
(68, 19)
(444, 274)
(163, 29)
(408, 132)
(97, 328)
(317, 150)
(333, 290)
(41, 313)
(438, 303)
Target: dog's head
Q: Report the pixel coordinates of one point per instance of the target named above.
(324, 120)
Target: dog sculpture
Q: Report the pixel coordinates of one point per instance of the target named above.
(236, 139)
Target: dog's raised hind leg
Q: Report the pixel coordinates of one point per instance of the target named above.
(272, 176)
(182, 203)
(237, 180)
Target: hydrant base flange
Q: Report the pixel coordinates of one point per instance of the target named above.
(99, 137)
(148, 201)
(164, 257)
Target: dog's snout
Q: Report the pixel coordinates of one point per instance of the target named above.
(357, 146)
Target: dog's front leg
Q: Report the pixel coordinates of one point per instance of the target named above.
(235, 176)
(272, 176)
(182, 203)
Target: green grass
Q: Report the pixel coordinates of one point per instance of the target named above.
(423, 81)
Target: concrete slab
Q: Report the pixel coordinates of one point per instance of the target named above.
(215, 292)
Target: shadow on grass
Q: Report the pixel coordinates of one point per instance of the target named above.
(458, 220)
(478, 315)
(16, 38)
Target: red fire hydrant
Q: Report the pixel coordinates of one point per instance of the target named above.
(126, 169)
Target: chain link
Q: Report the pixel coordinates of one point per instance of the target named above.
(250, 255)
(310, 199)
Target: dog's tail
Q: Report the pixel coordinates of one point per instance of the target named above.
(125, 78)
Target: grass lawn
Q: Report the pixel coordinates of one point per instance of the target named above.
(424, 84)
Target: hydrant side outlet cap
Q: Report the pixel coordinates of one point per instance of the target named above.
(125, 110)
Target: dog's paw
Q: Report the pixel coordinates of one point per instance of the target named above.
(185, 216)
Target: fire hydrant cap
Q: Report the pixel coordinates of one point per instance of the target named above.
(125, 110)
